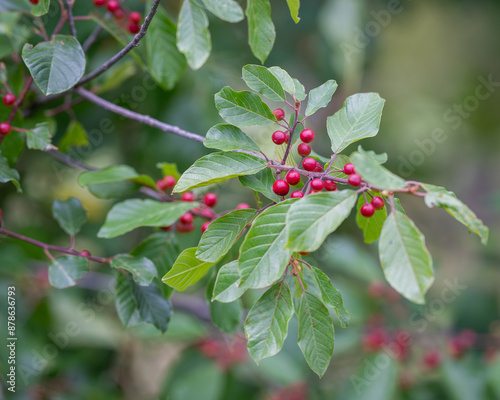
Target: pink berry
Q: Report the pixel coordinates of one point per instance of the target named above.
(119, 14)
(354, 180)
(204, 227)
(377, 202)
(188, 196)
(183, 228)
(281, 187)
(85, 253)
(367, 210)
(34, 2)
(297, 195)
(279, 114)
(349, 169)
(242, 206)
(187, 218)
(304, 149)
(318, 167)
(99, 3)
(112, 6)
(278, 137)
(9, 99)
(317, 185)
(330, 185)
(4, 128)
(135, 17)
(432, 359)
(293, 177)
(210, 199)
(309, 164)
(307, 135)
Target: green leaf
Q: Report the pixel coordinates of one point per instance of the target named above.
(379, 158)
(331, 296)
(372, 226)
(227, 287)
(222, 233)
(405, 260)
(217, 167)
(227, 10)
(261, 32)
(122, 72)
(56, 66)
(259, 78)
(136, 304)
(115, 173)
(229, 137)
(262, 182)
(12, 146)
(374, 173)
(165, 63)
(263, 257)
(316, 333)
(294, 6)
(141, 269)
(338, 165)
(359, 118)
(242, 108)
(266, 325)
(75, 136)
(311, 219)
(193, 36)
(39, 137)
(131, 214)
(41, 8)
(226, 316)
(300, 91)
(440, 197)
(321, 96)
(14, 5)
(286, 81)
(65, 271)
(186, 270)
(169, 169)
(113, 190)
(70, 215)
(7, 174)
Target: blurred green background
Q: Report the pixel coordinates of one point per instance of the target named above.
(437, 64)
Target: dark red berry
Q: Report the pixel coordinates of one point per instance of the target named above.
(112, 6)
(34, 1)
(330, 185)
(304, 149)
(167, 182)
(133, 28)
(349, 169)
(210, 199)
(318, 167)
(455, 347)
(309, 164)
(377, 202)
(187, 218)
(307, 135)
(354, 180)
(377, 289)
(166, 228)
(304, 253)
(293, 177)
(85, 253)
(205, 226)
(297, 195)
(183, 228)
(135, 17)
(9, 99)
(99, 3)
(4, 128)
(279, 137)
(317, 185)
(242, 206)
(287, 137)
(279, 114)
(432, 359)
(119, 14)
(374, 340)
(1, 213)
(188, 196)
(281, 188)
(468, 338)
(367, 210)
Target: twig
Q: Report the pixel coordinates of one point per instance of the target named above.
(20, 100)
(144, 119)
(70, 161)
(71, 21)
(92, 38)
(118, 56)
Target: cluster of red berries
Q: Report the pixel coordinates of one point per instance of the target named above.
(225, 353)
(114, 7)
(379, 290)
(296, 391)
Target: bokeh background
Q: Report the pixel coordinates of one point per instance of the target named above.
(437, 64)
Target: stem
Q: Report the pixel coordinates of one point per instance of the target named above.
(19, 101)
(292, 131)
(144, 119)
(304, 262)
(301, 284)
(47, 247)
(92, 38)
(71, 21)
(118, 56)
(70, 161)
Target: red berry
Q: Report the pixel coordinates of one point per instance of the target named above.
(354, 180)
(135, 17)
(377, 202)
(187, 196)
(307, 135)
(183, 228)
(119, 14)
(1, 213)
(377, 289)
(205, 226)
(304, 253)
(349, 169)
(304, 149)
(432, 359)
(279, 114)
(187, 218)
(280, 187)
(317, 185)
(112, 6)
(297, 195)
(99, 3)
(210, 199)
(85, 253)
(34, 1)
(279, 137)
(167, 182)
(133, 28)
(242, 206)
(309, 164)
(166, 228)
(4, 128)
(9, 99)
(287, 137)
(330, 185)
(318, 167)
(467, 337)
(455, 347)
(367, 210)
(293, 177)
(374, 340)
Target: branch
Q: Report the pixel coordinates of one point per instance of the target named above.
(70, 161)
(144, 119)
(118, 56)
(20, 100)
(92, 38)
(70, 18)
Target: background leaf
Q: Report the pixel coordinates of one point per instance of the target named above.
(41, 8)
(70, 214)
(227, 10)
(8, 174)
(261, 32)
(294, 6)
(65, 271)
(75, 135)
(226, 316)
(39, 137)
(186, 271)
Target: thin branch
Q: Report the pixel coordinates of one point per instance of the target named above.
(71, 21)
(118, 56)
(70, 161)
(92, 38)
(20, 100)
(144, 119)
